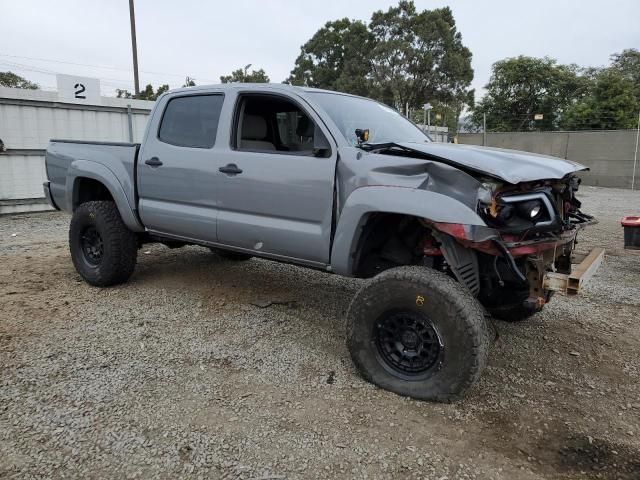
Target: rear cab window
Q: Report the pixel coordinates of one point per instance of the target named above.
(191, 121)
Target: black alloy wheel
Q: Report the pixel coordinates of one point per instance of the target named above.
(408, 345)
(92, 246)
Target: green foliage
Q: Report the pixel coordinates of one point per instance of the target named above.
(569, 97)
(404, 56)
(242, 76)
(523, 86)
(121, 93)
(337, 57)
(147, 94)
(442, 115)
(627, 63)
(10, 79)
(419, 57)
(610, 104)
(189, 82)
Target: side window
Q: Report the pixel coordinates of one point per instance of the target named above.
(191, 121)
(271, 123)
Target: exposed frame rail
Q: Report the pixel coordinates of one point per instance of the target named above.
(581, 273)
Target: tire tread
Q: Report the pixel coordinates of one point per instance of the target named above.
(466, 305)
(122, 243)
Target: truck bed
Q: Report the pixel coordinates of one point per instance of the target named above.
(63, 156)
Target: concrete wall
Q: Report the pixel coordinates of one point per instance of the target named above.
(608, 154)
(30, 118)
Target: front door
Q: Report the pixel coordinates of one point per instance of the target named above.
(177, 168)
(276, 191)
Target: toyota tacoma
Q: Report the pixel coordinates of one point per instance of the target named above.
(447, 235)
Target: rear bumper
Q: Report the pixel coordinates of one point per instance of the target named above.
(47, 193)
(581, 273)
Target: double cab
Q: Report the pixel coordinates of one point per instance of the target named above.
(446, 236)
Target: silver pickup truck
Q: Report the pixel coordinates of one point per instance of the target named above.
(448, 234)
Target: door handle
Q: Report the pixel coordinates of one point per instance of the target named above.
(230, 169)
(153, 162)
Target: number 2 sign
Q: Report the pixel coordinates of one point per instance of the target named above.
(74, 89)
(80, 89)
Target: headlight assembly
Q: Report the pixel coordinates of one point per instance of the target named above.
(530, 210)
(522, 212)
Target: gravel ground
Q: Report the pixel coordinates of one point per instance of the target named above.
(204, 368)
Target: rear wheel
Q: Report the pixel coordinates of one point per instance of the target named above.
(103, 249)
(417, 332)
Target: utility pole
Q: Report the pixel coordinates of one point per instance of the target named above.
(635, 156)
(427, 117)
(134, 47)
(484, 129)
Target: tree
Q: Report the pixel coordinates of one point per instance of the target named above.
(242, 76)
(402, 57)
(442, 115)
(10, 79)
(523, 86)
(627, 63)
(612, 100)
(146, 94)
(189, 82)
(611, 104)
(122, 93)
(419, 57)
(336, 58)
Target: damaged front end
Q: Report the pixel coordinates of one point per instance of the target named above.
(531, 254)
(538, 224)
(503, 223)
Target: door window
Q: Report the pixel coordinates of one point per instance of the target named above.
(191, 121)
(269, 123)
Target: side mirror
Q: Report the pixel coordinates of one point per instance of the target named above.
(321, 146)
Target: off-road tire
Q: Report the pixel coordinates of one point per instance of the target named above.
(455, 314)
(230, 255)
(119, 244)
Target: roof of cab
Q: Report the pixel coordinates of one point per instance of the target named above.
(257, 86)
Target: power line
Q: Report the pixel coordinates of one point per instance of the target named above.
(52, 72)
(104, 67)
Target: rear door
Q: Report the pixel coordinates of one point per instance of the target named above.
(275, 192)
(177, 169)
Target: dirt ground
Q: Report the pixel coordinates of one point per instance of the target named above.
(204, 368)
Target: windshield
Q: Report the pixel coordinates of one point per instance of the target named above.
(384, 123)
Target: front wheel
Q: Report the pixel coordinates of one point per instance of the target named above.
(103, 249)
(417, 332)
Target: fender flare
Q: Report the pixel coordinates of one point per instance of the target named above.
(432, 206)
(97, 171)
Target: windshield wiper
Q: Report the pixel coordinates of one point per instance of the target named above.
(376, 147)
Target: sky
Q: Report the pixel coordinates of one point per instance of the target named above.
(206, 39)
